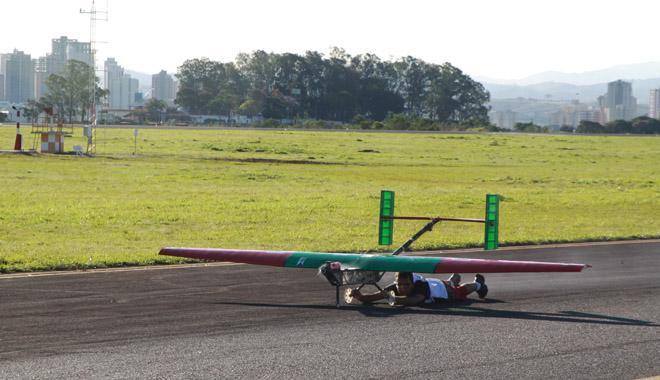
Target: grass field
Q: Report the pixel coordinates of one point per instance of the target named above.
(300, 190)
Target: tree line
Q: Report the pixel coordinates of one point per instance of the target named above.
(361, 89)
(638, 125)
(338, 87)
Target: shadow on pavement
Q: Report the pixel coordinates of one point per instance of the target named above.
(466, 309)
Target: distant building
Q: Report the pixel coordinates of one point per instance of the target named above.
(504, 119)
(2, 87)
(572, 114)
(593, 115)
(163, 87)
(63, 49)
(122, 87)
(41, 73)
(566, 115)
(112, 82)
(618, 103)
(654, 104)
(16, 68)
(128, 93)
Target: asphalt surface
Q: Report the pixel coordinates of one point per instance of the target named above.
(227, 321)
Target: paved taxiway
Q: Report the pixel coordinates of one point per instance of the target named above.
(222, 321)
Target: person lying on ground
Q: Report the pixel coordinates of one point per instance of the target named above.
(411, 289)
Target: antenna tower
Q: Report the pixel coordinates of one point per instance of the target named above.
(90, 130)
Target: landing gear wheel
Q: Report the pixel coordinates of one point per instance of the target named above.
(348, 298)
(391, 298)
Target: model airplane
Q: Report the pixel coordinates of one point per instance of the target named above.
(347, 269)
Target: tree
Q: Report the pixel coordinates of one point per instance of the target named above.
(529, 128)
(250, 107)
(138, 115)
(155, 108)
(56, 95)
(69, 93)
(587, 126)
(645, 125)
(208, 87)
(455, 97)
(199, 81)
(333, 87)
(376, 101)
(411, 83)
(313, 83)
(376, 93)
(32, 110)
(618, 126)
(340, 85)
(258, 68)
(224, 103)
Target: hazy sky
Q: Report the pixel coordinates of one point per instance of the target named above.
(503, 39)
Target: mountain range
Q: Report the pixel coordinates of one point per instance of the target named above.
(585, 86)
(566, 91)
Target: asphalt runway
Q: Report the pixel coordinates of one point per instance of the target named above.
(227, 321)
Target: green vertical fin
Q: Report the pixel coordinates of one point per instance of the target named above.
(386, 226)
(492, 221)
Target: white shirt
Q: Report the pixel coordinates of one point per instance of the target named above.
(437, 288)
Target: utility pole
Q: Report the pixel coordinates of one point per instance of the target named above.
(93, 17)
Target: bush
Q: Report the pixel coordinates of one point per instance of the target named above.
(314, 124)
(397, 121)
(530, 128)
(586, 126)
(377, 125)
(268, 123)
(362, 122)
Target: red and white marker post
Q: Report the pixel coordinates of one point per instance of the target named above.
(18, 144)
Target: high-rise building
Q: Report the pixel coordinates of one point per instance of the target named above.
(16, 68)
(41, 73)
(574, 113)
(112, 82)
(504, 119)
(129, 90)
(593, 115)
(122, 87)
(618, 103)
(163, 87)
(63, 49)
(2, 87)
(654, 103)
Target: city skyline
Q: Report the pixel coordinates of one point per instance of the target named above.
(507, 40)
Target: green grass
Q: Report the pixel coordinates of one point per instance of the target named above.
(314, 191)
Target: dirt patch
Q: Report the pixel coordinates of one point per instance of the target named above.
(276, 161)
